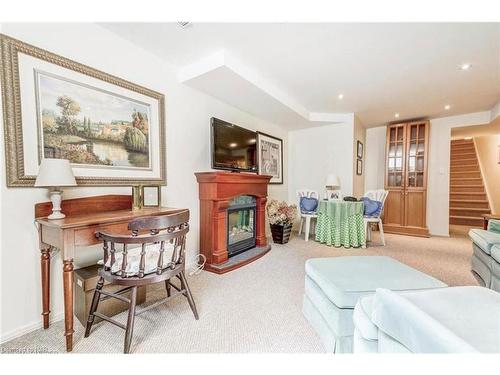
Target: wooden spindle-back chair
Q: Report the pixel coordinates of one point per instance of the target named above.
(152, 233)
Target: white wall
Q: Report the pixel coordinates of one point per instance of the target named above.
(438, 178)
(488, 153)
(188, 150)
(316, 152)
(375, 158)
(358, 181)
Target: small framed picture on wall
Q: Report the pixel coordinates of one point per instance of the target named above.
(360, 150)
(270, 157)
(359, 167)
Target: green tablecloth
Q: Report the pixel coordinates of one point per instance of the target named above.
(340, 223)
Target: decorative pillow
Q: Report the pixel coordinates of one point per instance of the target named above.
(308, 205)
(494, 226)
(134, 257)
(371, 208)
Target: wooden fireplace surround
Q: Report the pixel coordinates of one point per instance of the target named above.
(216, 190)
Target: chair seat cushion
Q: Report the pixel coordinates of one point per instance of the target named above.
(308, 205)
(457, 319)
(345, 279)
(495, 253)
(484, 239)
(371, 207)
(134, 258)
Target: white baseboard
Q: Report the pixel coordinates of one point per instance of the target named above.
(30, 327)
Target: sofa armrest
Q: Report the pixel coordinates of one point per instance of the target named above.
(494, 226)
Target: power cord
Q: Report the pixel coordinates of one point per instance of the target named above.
(196, 270)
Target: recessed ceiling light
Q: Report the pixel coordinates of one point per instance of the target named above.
(233, 145)
(396, 115)
(465, 66)
(341, 96)
(447, 107)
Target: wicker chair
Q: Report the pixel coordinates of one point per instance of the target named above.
(147, 264)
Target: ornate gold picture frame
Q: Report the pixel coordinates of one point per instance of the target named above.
(112, 131)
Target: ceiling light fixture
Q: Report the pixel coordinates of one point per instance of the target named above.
(396, 115)
(233, 145)
(447, 107)
(465, 66)
(341, 96)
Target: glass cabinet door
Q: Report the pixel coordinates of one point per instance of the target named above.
(395, 156)
(416, 155)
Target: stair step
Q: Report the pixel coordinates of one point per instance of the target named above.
(467, 189)
(466, 220)
(465, 174)
(464, 168)
(461, 141)
(462, 145)
(467, 211)
(466, 182)
(463, 156)
(463, 161)
(472, 203)
(466, 195)
(463, 150)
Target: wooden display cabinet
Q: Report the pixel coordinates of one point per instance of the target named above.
(406, 178)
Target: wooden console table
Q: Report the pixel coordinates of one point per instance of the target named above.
(84, 217)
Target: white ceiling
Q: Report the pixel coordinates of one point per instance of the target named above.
(381, 69)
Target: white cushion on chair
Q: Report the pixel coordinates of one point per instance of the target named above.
(134, 258)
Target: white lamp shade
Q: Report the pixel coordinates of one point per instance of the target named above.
(54, 173)
(332, 181)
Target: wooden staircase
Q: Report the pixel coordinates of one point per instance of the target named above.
(468, 200)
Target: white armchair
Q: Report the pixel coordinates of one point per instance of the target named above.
(376, 195)
(307, 216)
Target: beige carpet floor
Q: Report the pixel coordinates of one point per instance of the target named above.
(256, 308)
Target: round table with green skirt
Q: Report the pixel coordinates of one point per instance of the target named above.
(340, 223)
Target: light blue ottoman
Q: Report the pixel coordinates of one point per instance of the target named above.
(334, 285)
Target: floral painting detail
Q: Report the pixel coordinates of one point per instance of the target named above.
(280, 213)
(90, 126)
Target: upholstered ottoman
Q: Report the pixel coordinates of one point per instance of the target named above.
(334, 285)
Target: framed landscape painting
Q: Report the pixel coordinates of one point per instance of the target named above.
(112, 131)
(270, 155)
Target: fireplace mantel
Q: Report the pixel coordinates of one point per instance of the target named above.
(216, 189)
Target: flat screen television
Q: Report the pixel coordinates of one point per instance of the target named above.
(233, 148)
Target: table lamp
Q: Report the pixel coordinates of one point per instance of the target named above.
(332, 184)
(54, 174)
